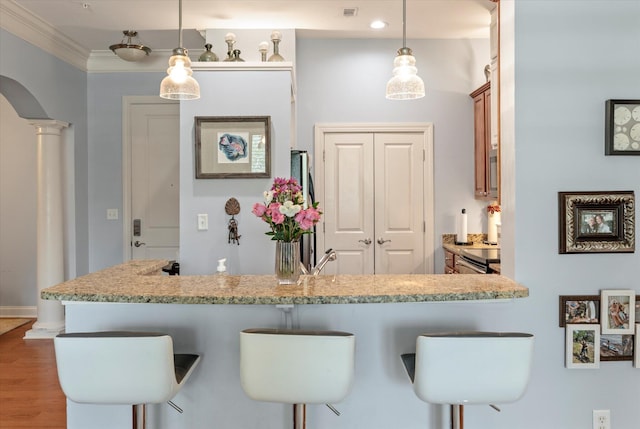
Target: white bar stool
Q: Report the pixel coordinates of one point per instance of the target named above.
(124, 368)
(463, 368)
(297, 367)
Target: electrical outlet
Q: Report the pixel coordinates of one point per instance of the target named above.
(601, 419)
(112, 214)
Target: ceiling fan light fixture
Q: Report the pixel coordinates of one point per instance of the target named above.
(129, 51)
(405, 84)
(179, 83)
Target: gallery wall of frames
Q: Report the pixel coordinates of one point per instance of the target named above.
(601, 328)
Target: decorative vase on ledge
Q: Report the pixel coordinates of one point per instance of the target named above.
(287, 262)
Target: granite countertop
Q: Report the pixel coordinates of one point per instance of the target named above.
(476, 240)
(140, 281)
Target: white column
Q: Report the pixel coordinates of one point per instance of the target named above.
(50, 226)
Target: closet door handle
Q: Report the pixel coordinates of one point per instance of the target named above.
(381, 241)
(366, 241)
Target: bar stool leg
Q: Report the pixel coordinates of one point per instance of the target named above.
(139, 416)
(457, 416)
(299, 416)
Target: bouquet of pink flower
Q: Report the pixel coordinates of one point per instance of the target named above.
(282, 210)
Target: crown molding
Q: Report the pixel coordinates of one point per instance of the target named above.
(34, 30)
(104, 61)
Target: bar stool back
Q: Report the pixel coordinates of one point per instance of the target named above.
(125, 368)
(297, 366)
(464, 368)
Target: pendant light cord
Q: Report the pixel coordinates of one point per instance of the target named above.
(180, 23)
(404, 23)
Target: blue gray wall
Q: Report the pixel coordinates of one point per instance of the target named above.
(61, 91)
(570, 58)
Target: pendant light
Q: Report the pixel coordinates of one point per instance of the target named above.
(405, 83)
(179, 84)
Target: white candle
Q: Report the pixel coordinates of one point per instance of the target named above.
(493, 219)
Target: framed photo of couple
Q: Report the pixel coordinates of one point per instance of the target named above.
(596, 222)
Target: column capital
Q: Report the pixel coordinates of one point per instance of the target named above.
(48, 126)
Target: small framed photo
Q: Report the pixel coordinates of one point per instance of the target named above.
(636, 346)
(596, 222)
(583, 346)
(233, 147)
(617, 308)
(616, 347)
(577, 309)
(622, 127)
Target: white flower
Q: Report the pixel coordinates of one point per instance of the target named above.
(268, 197)
(289, 209)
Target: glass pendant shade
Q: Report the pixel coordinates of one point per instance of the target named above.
(405, 84)
(179, 84)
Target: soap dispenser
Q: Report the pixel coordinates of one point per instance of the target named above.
(222, 269)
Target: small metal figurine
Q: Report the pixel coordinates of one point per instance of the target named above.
(233, 232)
(232, 208)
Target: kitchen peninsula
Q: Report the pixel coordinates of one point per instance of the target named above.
(139, 281)
(205, 314)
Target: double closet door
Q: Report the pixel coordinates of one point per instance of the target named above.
(373, 185)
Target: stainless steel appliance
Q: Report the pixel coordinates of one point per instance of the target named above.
(300, 170)
(476, 261)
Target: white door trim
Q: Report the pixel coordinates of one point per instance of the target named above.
(426, 128)
(127, 103)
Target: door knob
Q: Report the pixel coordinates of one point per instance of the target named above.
(382, 241)
(366, 241)
(139, 243)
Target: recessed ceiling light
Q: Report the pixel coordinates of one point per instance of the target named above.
(377, 25)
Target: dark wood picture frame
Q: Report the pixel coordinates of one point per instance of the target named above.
(622, 127)
(616, 213)
(228, 147)
(571, 310)
(616, 347)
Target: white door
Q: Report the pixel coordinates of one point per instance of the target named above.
(372, 193)
(155, 192)
(348, 202)
(398, 208)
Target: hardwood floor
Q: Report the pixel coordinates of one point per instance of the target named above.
(30, 396)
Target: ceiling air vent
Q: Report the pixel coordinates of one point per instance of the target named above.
(349, 12)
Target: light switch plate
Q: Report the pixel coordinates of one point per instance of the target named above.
(112, 214)
(203, 222)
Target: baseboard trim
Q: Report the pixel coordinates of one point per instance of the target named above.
(30, 312)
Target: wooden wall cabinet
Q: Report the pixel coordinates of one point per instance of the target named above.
(485, 154)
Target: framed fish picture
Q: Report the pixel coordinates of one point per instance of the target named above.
(233, 147)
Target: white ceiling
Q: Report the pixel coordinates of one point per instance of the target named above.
(96, 24)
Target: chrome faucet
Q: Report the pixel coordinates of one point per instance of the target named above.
(329, 255)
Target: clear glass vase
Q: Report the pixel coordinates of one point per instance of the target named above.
(287, 262)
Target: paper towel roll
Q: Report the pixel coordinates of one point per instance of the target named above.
(461, 227)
